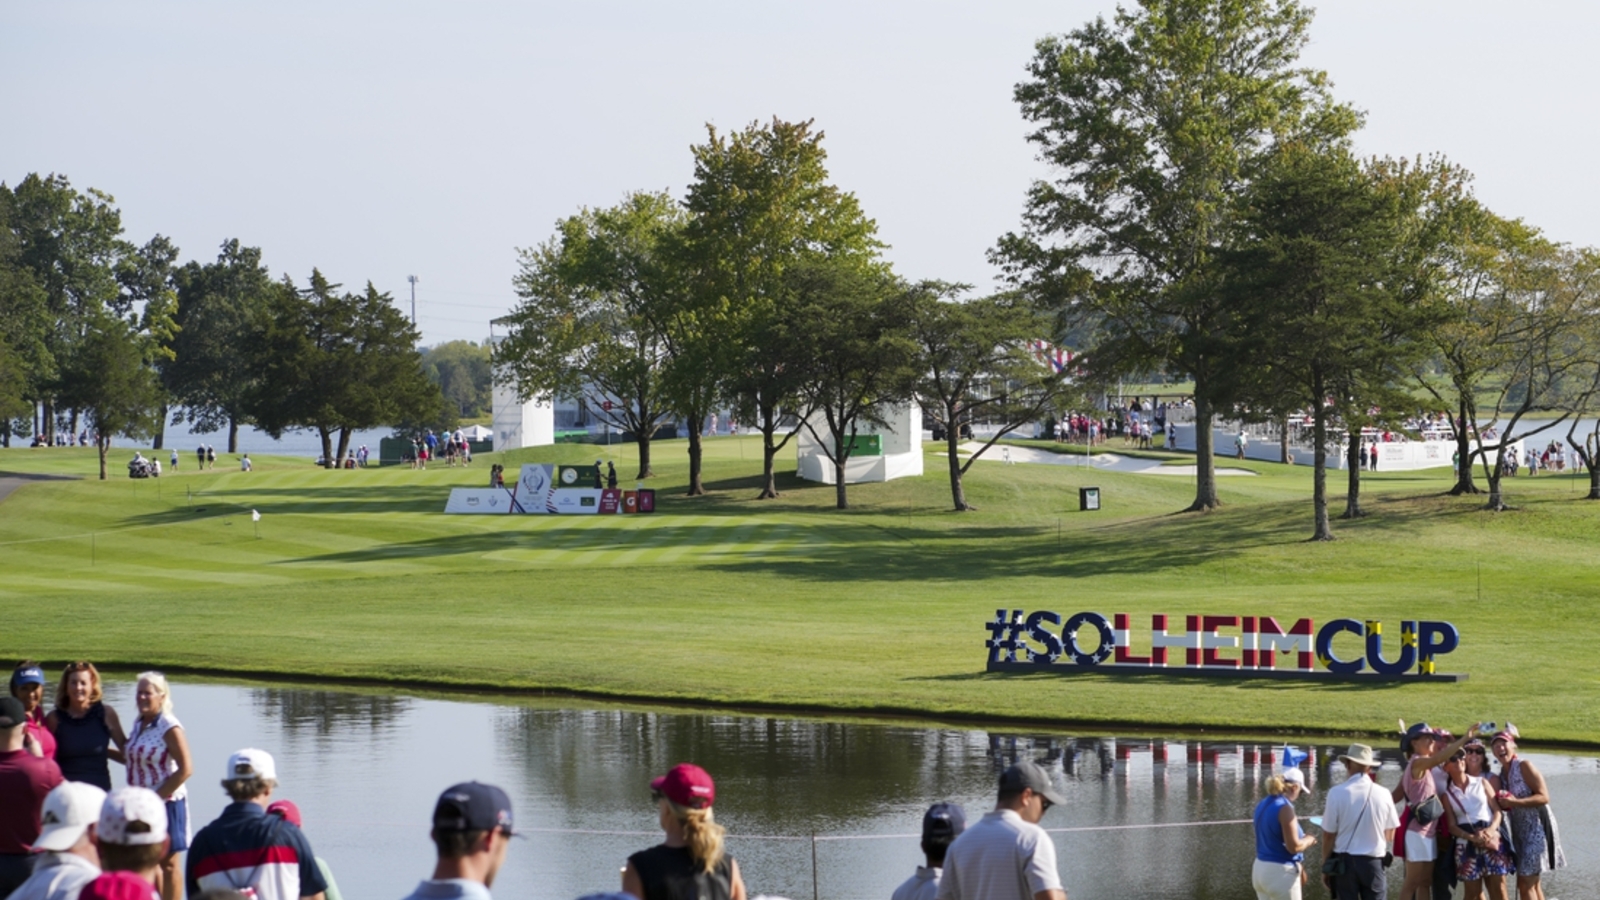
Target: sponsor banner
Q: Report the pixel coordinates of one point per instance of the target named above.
(479, 501)
(534, 485)
(1234, 646)
(578, 476)
(575, 501)
(630, 501)
(610, 500)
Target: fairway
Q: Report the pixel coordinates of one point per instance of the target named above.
(790, 604)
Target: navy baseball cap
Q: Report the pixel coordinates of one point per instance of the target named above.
(943, 820)
(11, 713)
(471, 806)
(29, 675)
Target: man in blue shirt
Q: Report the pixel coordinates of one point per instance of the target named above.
(248, 851)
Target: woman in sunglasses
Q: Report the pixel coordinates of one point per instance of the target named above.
(1474, 820)
(690, 863)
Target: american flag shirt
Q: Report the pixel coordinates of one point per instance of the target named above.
(149, 763)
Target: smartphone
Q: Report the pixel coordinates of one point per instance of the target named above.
(1316, 821)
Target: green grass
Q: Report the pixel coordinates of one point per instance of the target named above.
(787, 603)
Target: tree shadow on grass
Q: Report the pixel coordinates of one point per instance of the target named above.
(286, 501)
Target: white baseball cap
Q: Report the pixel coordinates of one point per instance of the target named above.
(251, 763)
(133, 816)
(69, 809)
(1295, 776)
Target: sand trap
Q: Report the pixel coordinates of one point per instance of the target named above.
(1107, 461)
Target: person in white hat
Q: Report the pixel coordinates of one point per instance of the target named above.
(246, 848)
(68, 860)
(1357, 830)
(131, 834)
(1279, 869)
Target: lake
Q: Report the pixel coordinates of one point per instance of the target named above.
(365, 768)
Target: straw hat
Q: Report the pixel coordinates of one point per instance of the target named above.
(1361, 755)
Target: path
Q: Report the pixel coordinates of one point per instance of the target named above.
(10, 481)
(1105, 461)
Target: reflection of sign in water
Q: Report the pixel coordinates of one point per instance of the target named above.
(1244, 646)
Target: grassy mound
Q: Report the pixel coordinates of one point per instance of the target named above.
(789, 604)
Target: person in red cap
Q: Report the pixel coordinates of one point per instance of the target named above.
(690, 863)
(289, 812)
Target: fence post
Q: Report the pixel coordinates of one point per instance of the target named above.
(816, 888)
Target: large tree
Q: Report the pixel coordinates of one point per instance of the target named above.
(1154, 123)
(760, 204)
(1330, 287)
(25, 360)
(849, 328)
(976, 362)
(109, 374)
(585, 327)
(220, 306)
(464, 373)
(148, 291)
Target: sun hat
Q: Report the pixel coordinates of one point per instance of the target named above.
(1361, 755)
(286, 810)
(251, 763)
(943, 820)
(1029, 774)
(69, 809)
(118, 885)
(133, 817)
(686, 784)
(472, 806)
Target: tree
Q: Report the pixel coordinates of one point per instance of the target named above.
(109, 375)
(464, 373)
(760, 204)
(146, 278)
(1155, 124)
(975, 360)
(70, 244)
(849, 327)
(1329, 296)
(220, 306)
(584, 327)
(25, 360)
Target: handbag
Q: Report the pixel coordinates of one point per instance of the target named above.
(1428, 811)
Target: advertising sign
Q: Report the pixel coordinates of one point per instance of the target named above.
(630, 501)
(533, 489)
(647, 501)
(576, 501)
(1225, 646)
(479, 501)
(610, 501)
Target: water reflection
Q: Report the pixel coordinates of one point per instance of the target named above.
(365, 768)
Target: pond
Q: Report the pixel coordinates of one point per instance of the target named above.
(365, 768)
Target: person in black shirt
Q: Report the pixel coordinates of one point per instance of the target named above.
(690, 864)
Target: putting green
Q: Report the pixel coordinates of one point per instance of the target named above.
(789, 604)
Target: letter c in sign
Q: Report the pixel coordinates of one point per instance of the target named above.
(1325, 647)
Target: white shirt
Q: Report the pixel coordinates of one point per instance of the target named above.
(1470, 804)
(1000, 857)
(56, 876)
(1358, 813)
(922, 886)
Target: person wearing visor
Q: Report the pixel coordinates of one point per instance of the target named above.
(690, 864)
(1421, 783)
(27, 685)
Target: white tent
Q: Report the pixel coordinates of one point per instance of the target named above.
(477, 433)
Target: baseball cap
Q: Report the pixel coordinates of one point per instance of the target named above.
(29, 675)
(285, 809)
(132, 817)
(943, 820)
(12, 713)
(1029, 774)
(251, 763)
(119, 885)
(1295, 776)
(687, 785)
(471, 806)
(69, 809)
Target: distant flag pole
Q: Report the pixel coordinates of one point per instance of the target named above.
(255, 517)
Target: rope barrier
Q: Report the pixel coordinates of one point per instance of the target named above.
(734, 836)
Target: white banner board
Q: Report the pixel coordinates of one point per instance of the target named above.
(479, 501)
(533, 489)
(576, 501)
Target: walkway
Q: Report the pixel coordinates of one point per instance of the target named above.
(10, 481)
(1112, 462)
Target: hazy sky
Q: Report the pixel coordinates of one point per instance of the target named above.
(380, 139)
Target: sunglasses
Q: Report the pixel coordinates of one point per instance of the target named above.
(1478, 751)
(1044, 803)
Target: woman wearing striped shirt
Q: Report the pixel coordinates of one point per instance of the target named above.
(158, 758)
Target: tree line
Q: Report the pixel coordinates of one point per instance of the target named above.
(104, 336)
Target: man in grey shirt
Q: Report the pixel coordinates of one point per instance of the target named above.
(70, 860)
(1006, 855)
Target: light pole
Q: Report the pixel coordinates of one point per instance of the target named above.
(413, 280)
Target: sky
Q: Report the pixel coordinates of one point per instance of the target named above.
(377, 140)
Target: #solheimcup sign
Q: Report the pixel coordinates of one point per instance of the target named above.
(1225, 646)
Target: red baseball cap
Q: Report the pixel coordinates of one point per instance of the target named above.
(118, 886)
(688, 785)
(287, 810)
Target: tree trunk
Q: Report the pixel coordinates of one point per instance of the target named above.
(1497, 502)
(1594, 483)
(72, 437)
(233, 435)
(49, 424)
(1321, 530)
(1283, 443)
(767, 417)
(841, 500)
(958, 493)
(103, 444)
(696, 455)
(161, 429)
(1205, 466)
(1464, 483)
(327, 446)
(643, 439)
(1352, 461)
(344, 447)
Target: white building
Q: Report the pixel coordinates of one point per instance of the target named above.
(898, 454)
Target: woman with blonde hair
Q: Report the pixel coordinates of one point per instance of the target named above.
(158, 758)
(1279, 870)
(88, 733)
(690, 864)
